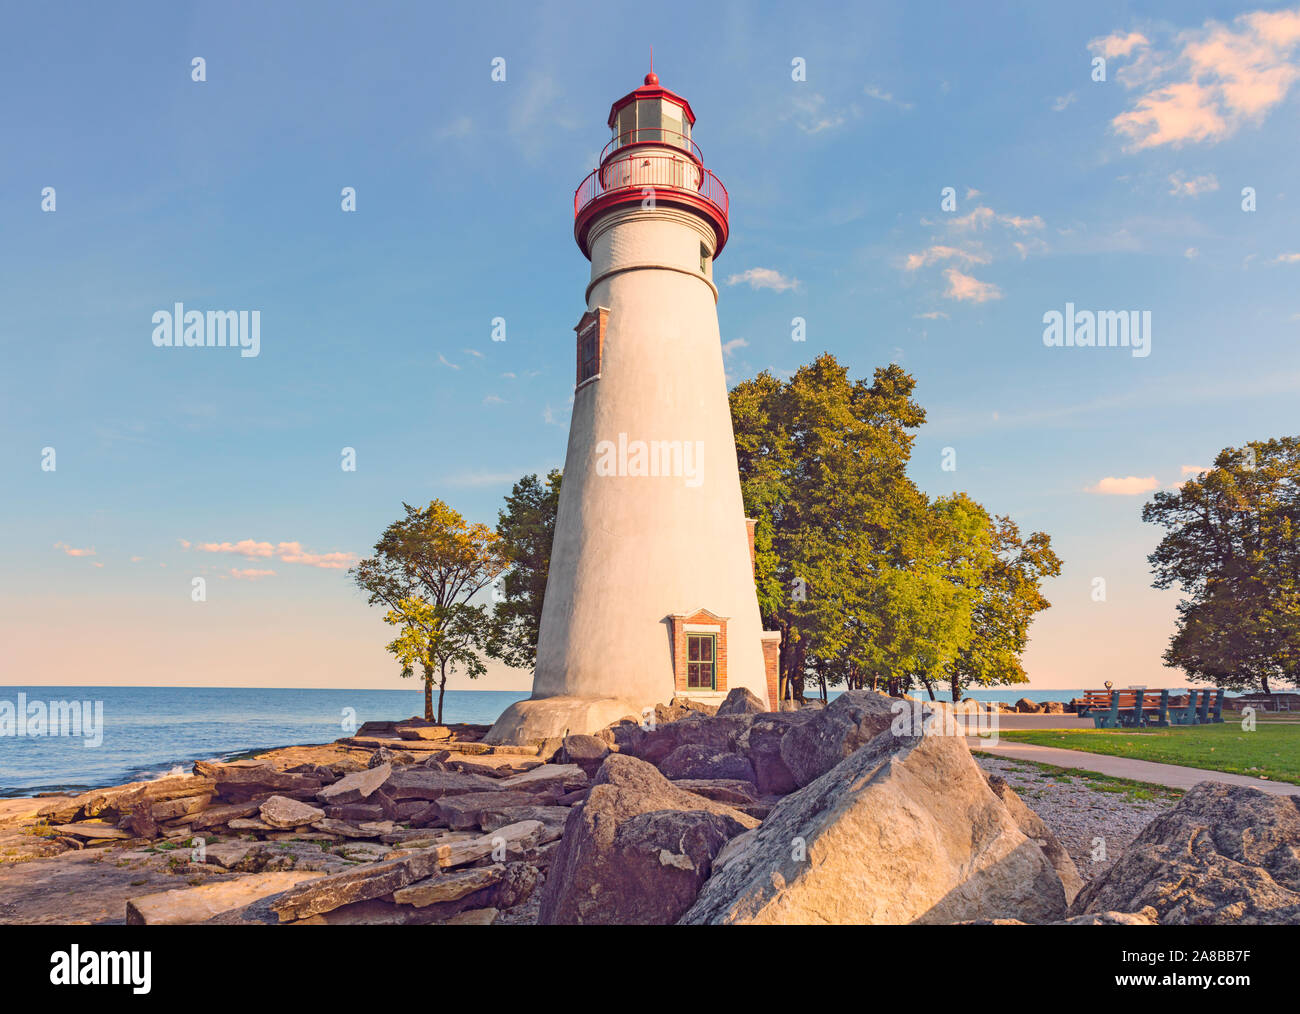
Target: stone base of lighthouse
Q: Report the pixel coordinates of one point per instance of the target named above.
(552, 717)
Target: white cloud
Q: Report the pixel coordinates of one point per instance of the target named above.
(1118, 44)
(1180, 185)
(287, 552)
(1287, 258)
(1129, 485)
(731, 346)
(250, 574)
(492, 399)
(883, 96)
(966, 289)
(73, 551)
(940, 252)
(1210, 83)
(1063, 101)
(933, 315)
(445, 362)
(764, 278)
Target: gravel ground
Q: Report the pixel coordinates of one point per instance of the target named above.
(1095, 818)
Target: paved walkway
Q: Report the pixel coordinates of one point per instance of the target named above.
(1173, 775)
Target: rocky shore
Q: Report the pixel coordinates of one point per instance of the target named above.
(699, 816)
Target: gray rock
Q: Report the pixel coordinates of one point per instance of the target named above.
(761, 743)
(905, 830)
(280, 811)
(1032, 826)
(588, 752)
(694, 760)
(723, 790)
(741, 701)
(602, 875)
(853, 719)
(1224, 855)
(430, 784)
(355, 787)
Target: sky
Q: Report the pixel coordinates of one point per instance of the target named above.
(837, 130)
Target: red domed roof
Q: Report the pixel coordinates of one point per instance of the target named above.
(651, 90)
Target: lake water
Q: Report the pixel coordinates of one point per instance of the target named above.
(149, 731)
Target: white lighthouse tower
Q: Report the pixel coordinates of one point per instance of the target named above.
(651, 588)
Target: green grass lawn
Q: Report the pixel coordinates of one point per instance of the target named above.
(1271, 751)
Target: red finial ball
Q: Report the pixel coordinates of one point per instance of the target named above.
(652, 78)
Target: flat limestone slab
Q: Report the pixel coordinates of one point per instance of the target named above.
(529, 722)
(197, 904)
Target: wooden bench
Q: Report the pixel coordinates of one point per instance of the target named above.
(1114, 709)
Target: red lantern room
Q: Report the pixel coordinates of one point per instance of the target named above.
(650, 155)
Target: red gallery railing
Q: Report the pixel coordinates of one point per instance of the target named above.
(656, 136)
(659, 172)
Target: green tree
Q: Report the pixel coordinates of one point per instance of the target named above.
(439, 639)
(1232, 545)
(434, 555)
(527, 529)
(870, 582)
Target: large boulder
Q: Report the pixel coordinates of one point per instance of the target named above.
(698, 761)
(1225, 854)
(1032, 826)
(741, 701)
(612, 868)
(761, 743)
(905, 830)
(719, 733)
(853, 719)
(588, 752)
(1027, 707)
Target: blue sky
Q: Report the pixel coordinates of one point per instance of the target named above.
(376, 325)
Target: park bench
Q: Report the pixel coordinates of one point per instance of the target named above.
(1114, 709)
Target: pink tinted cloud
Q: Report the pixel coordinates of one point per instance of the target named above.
(1211, 82)
(1129, 485)
(964, 288)
(73, 551)
(287, 552)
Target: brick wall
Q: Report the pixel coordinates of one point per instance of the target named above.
(704, 618)
(772, 667)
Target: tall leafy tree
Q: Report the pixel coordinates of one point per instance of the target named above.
(1232, 545)
(527, 528)
(426, 567)
(870, 581)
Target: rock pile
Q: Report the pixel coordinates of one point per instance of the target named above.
(840, 814)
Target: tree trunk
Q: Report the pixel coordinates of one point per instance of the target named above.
(956, 688)
(929, 686)
(442, 691)
(1264, 678)
(428, 692)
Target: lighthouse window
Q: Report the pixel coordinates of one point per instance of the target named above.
(700, 661)
(588, 354)
(704, 259)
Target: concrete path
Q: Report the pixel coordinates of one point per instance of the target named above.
(1173, 775)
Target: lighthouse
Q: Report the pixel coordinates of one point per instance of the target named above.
(650, 593)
